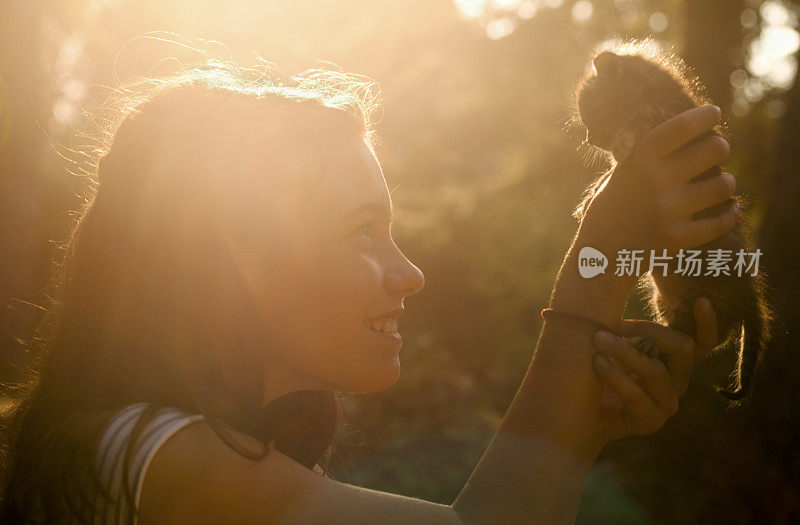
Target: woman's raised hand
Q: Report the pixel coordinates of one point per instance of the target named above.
(639, 392)
(647, 203)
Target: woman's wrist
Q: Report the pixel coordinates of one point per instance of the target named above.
(596, 291)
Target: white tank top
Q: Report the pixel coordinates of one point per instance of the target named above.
(111, 451)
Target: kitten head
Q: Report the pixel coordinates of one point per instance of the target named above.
(630, 88)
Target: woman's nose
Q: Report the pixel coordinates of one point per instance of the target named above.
(404, 278)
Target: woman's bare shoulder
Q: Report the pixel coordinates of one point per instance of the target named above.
(196, 478)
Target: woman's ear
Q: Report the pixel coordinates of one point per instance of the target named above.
(606, 64)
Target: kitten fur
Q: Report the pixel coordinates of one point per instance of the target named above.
(629, 88)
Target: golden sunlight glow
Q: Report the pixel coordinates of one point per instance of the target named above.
(582, 11)
(501, 14)
(222, 229)
(771, 62)
(771, 53)
(658, 22)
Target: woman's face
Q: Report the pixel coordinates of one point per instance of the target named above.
(328, 276)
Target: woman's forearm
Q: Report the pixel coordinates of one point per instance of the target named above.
(536, 465)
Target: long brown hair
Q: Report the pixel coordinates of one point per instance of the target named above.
(145, 303)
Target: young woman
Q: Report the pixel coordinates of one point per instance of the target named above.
(233, 268)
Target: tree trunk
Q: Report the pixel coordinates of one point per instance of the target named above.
(774, 414)
(714, 44)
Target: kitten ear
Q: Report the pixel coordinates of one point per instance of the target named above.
(606, 64)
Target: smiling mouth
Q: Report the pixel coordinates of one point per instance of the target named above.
(386, 326)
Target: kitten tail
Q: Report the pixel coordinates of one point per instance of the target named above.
(756, 327)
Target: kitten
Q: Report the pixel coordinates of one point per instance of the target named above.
(631, 88)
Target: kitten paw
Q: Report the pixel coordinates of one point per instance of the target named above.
(645, 346)
(623, 145)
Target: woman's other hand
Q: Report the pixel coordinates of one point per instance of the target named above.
(647, 202)
(640, 393)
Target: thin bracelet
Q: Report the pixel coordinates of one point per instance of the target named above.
(548, 312)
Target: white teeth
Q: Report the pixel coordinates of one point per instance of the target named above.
(384, 325)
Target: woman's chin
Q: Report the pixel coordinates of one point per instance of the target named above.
(376, 379)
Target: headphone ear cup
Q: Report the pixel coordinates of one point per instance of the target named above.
(303, 424)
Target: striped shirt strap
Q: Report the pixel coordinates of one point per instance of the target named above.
(163, 424)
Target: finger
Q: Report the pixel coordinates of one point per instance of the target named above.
(680, 129)
(679, 347)
(705, 322)
(654, 376)
(696, 158)
(638, 404)
(698, 196)
(696, 232)
(624, 354)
